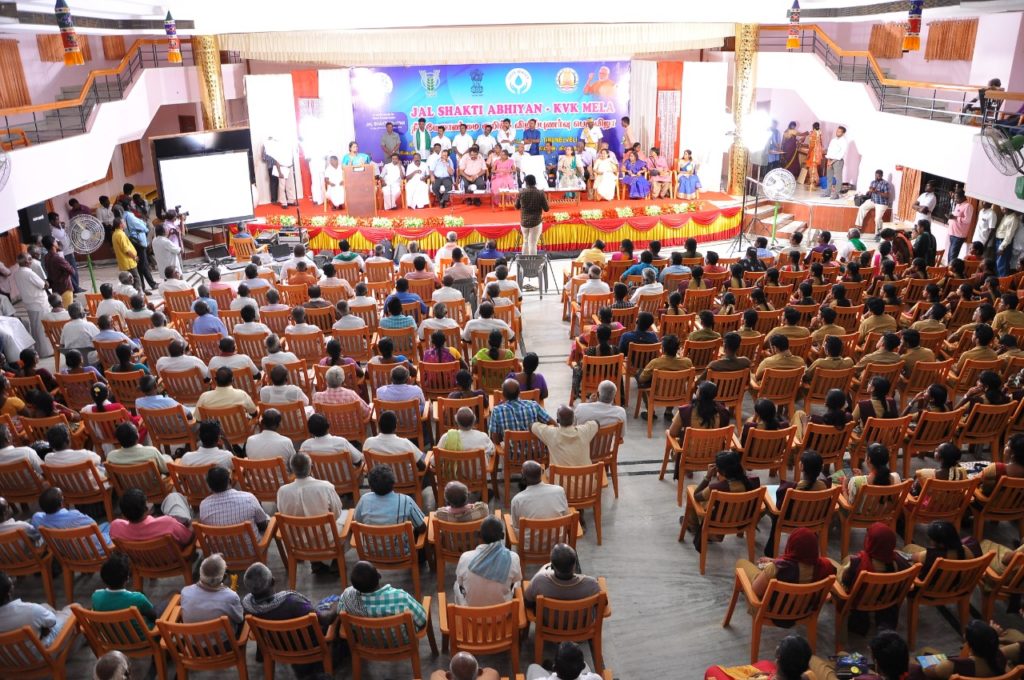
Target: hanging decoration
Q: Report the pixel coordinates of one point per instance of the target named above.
(912, 39)
(173, 44)
(68, 37)
(793, 38)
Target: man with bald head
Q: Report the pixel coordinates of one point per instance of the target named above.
(465, 436)
(367, 597)
(558, 579)
(538, 499)
(567, 442)
(514, 413)
(464, 666)
(602, 407)
(112, 666)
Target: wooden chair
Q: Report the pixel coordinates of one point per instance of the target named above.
(253, 344)
(872, 504)
(701, 352)
(322, 317)
(210, 645)
(939, 500)
(490, 375)
(145, 476)
(890, 372)
(277, 321)
(872, 592)
(678, 325)
(338, 469)
(984, 426)
(53, 331)
(293, 641)
(293, 419)
(516, 448)
(386, 638)
(184, 386)
(438, 380)
(766, 321)
(825, 380)
(204, 345)
(81, 550)
(445, 410)
(471, 467)
(638, 355)
(1002, 586)
(158, 558)
(583, 485)
(922, 376)
(390, 547)
(231, 318)
(20, 483)
(726, 514)
(179, 300)
(412, 418)
(153, 349)
(24, 656)
(725, 323)
(169, 427)
(948, 582)
(667, 389)
(828, 441)
(20, 556)
(313, 539)
(536, 537)
(293, 294)
(106, 351)
(782, 605)
(558, 621)
(1004, 504)
(123, 630)
(697, 450)
(82, 484)
(697, 300)
(450, 540)
(408, 477)
(604, 449)
(346, 420)
(781, 385)
(766, 449)
(125, 387)
(803, 509)
(308, 347)
(262, 477)
(482, 630)
(968, 375)
(238, 544)
(101, 425)
(76, 388)
(190, 481)
(750, 347)
(892, 432)
(20, 387)
(933, 428)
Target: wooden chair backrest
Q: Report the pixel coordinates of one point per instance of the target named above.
(387, 546)
(101, 426)
(184, 386)
(407, 479)
(678, 325)
(750, 346)
(879, 503)
(927, 373)
(168, 426)
(963, 312)
(145, 476)
(819, 293)
(34, 429)
(790, 602)
(604, 446)
(945, 500)
(155, 557)
(697, 300)
(521, 446)
(408, 412)
(19, 482)
(262, 477)
(768, 320)
(916, 289)
(20, 387)
(76, 388)
(291, 641)
(701, 352)
(293, 419)
(491, 374)
(890, 372)
(308, 347)
(333, 294)
(951, 579)
(877, 591)
(122, 630)
(125, 387)
(801, 347)
(780, 384)
(405, 341)
(204, 345)
(308, 537)
(699, 446)
(380, 271)
(848, 318)
(732, 512)
(828, 441)
(988, 420)
(447, 408)
(732, 385)
(293, 294)
(469, 467)
(384, 638)
(768, 448)
(826, 379)
(675, 387)
(1006, 502)
(972, 368)
(190, 481)
(451, 539)
(726, 323)
(652, 303)
(934, 427)
(355, 342)
(202, 646)
(106, 350)
(888, 431)
(80, 482)
(79, 549)
(223, 298)
(321, 317)
(484, 630)
(235, 542)
(277, 320)
(336, 467)
(179, 300)
(368, 313)
(346, 420)
(154, 350)
(538, 536)
(807, 314)
(438, 380)
(582, 483)
(811, 509)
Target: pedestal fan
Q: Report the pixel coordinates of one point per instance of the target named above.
(86, 234)
(779, 185)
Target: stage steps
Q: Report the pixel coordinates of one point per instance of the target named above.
(198, 239)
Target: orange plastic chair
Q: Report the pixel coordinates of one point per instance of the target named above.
(482, 630)
(207, 646)
(783, 603)
(82, 484)
(386, 638)
(872, 504)
(583, 485)
(158, 558)
(313, 539)
(667, 389)
(803, 509)
(939, 500)
(948, 582)
(450, 540)
(536, 537)
(390, 547)
(697, 450)
(1004, 504)
(726, 514)
(19, 556)
(871, 592)
(82, 550)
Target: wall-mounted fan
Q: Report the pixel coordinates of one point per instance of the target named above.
(1006, 153)
(86, 234)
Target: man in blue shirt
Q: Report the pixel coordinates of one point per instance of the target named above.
(773, 149)
(675, 266)
(441, 173)
(403, 294)
(879, 199)
(55, 516)
(138, 234)
(531, 137)
(107, 332)
(646, 262)
(151, 399)
(206, 322)
(550, 154)
(642, 334)
(384, 506)
(204, 296)
(490, 251)
(762, 248)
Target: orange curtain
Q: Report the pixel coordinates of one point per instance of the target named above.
(13, 88)
(886, 41)
(51, 49)
(113, 47)
(951, 40)
(131, 156)
(909, 191)
(109, 176)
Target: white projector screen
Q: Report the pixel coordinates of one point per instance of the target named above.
(214, 188)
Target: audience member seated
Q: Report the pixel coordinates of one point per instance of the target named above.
(726, 474)
(384, 506)
(115, 573)
(226, 506)
(386, 349)
(274, 303)
(878, 404)
(387, 442)
(560, 579)
(765, 417)
(322, 441)
(136, 524)
(879, 556)
(945, 542)
(494, 350)
(792, 657)
(44, 622)
(160, 330)
(537, 499)
(268, 443)
(308, 496)
(457, 507)
(514, 413)
(132, 452)
(464, 387)
(178, 361)
(594, 285)
(209, 452)
(231, 359)
(403, 296)
(488, 574)
(780, 358)
(668, 361)
(439, 321)
(78, 333)
(280, 391)
(61, 452)
(486, 321)
(400, 388)
(10, 453)
(210, 597)
(602, 407)
(704, 411)
(466, 437)
(464, 666)
(336, 392)
(801, 562)
(878, 473)
(808, 478)
(276, 354)
(224, 394)
(53, 515)
(568, 443)
(366, 597)
(447, 292)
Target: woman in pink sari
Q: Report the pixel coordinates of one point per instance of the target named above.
(659, 174)
(504, 176)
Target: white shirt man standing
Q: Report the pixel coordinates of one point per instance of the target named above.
(485, 141)
(506, 136)
(835, 158)
(461, 142)
(925, 203)
(440, 138)
(33, 295)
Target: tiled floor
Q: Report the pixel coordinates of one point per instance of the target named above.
(667, 617)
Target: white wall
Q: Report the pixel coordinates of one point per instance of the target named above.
(702, 119)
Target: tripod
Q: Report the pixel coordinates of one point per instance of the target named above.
(743, 239)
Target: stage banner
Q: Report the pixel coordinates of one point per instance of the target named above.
(560, 95)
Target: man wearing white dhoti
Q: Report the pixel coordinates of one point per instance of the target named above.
(391, 176)
(334, 190)
(421, 138)
(417, 193)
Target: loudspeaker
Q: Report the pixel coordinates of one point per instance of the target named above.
(32, 221)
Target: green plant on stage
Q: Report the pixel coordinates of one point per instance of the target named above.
(412, 222)
(591, 214)
(345, 221)
(560, 216)
(381, 223)
(286, 221)
(679, 208)
(318, 221)
(652, 210)
(453, 221)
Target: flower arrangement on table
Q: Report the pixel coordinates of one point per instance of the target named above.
(623, 212)
(592, 214)
(453, 221)
(560, 216)
(652, 210)
(412, 222)
(680, 208)
(285, 221)
(346, 221)
(382, 223)
(318, 221)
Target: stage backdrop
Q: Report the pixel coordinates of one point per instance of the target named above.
(560, 95)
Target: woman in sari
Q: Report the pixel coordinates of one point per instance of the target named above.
(606, 177)
(570, 170)
(814, 156)
(634, 175)
(689, 183)
(504, 177)
(658, 174)
(791, 149)
(353, 157)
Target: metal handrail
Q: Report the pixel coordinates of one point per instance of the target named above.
(934, 101)
(103, 85)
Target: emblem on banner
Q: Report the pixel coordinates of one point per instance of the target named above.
(567, 79)
(477, 76)
(518, 81)
(431, 81)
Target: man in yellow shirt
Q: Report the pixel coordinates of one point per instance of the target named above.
(832, 361)
(707, 328)
(825, 325)
(986, 313)
(789, 328)
(1009, 316)
(749, 327)
(983, 336)
(780, 358)
(594, 254)
(668, 361)
(124, 251)
(933, 321)
(876, 321)
(912, 352)
(1008, 349)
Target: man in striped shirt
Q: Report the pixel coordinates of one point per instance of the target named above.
(368, 598)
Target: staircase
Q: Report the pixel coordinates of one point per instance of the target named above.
(65, 122)
(763, 216)
(199, 238)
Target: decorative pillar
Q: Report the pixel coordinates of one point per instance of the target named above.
(206, 52)
(742, 101)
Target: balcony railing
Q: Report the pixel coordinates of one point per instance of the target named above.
(57, 120)
(932, 101)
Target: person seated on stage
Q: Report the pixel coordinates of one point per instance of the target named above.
(473, 172)
(634, 175)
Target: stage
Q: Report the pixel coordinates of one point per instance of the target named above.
(714, 217)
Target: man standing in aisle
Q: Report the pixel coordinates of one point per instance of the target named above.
(59, 271)
(124, 251)
(835, 158)
(879, 198)
(421, 138)
(390, 141)
(59, 233)
(485, 141)
(532, 204)
(36, 301)
(959, 224)
(138, 234)
(925, 203)
(531, 137)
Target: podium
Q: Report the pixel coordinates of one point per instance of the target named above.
(360, 190)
